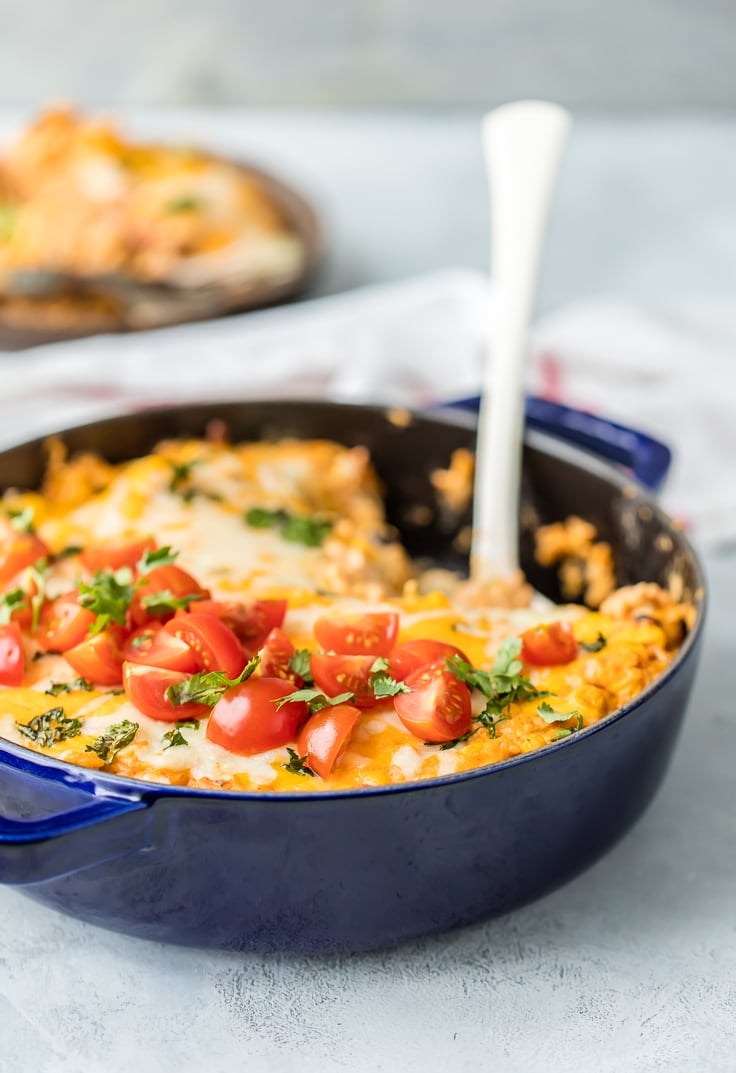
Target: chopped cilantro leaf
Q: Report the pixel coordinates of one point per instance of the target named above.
(547, 712)
(69, 687)
(67, 552)
(11, 601)
(21, 519)
(382, 683)
(260, 518)
(115, 738)
(158, 603)
(502, 686)
(108, 596)
(594, 646)
(207, 687)
(301, 664)
(175, 736)
(314, 699)
(180, 474)
(296, 528)
(50, 727)
(160, 557)
(185, 203)
(297, 764)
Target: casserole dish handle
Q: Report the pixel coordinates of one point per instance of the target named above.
(646, 457)
(88, 833)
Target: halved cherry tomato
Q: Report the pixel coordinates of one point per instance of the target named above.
(114, 556)
(145, 688)
(371, 634)
(215, 647)
(345, 674)
(11, 655)
(276, 655)
(22, 550)
(246, 719)
(413, 655)
(64, 624)
(169, 578)
(99, 658)
(156, 647)
(251, 620)
(437, 706)
(549, 644)
(325, 737)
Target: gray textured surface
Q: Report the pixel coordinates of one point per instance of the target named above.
(631, 968)
(587, 53)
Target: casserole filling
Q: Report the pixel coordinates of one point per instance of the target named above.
(243, 618)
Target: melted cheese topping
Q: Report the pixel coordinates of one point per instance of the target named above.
(202, 515)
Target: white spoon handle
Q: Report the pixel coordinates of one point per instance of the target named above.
(523, 144)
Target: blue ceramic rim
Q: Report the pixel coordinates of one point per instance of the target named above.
(137, 791)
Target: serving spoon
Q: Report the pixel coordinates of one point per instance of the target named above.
(523, 144)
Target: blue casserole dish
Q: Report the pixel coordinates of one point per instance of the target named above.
(355, 870)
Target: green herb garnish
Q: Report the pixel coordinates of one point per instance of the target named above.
(159, 603)
(11, 601)
(69, 687)
(297, 764)
(451, 744)
(22, 520)
(547, 712)
(297, 528)
(50, 727)
(314, 699)
(115, 738)
(382, 683)
(160, 557)
(67, 552)
(260, 518)
(207, 687)
(594, 646)
(301, 664)
(185, 203)
(175, 736)
(180, 474)
(108, 596)
(502, 686)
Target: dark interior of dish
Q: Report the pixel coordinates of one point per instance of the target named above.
(557, 480)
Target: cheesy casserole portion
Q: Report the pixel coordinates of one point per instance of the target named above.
(301, 590)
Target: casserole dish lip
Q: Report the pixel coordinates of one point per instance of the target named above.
(92, 781)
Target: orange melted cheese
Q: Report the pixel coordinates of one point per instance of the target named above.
(86, 502)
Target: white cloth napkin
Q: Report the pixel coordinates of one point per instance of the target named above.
(668, 371)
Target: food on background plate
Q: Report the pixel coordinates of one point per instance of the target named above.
(80, 200)
(243, 618)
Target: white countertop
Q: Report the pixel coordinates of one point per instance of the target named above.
(632, 967)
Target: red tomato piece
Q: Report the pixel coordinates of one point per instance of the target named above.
(157, 647)
(170, 579)
(276, 655)
(22, 550)
(549, 644)
(145, 688)
(326, 735)
(216, 648)
(98, 659)
(64, 623)
(11, 655)
(371, 634)
(413, 655)
(246, 719)
(345, 674)
(437, 706)
(115, 556)
(251, 621)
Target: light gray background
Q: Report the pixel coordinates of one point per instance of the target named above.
(621, 54)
